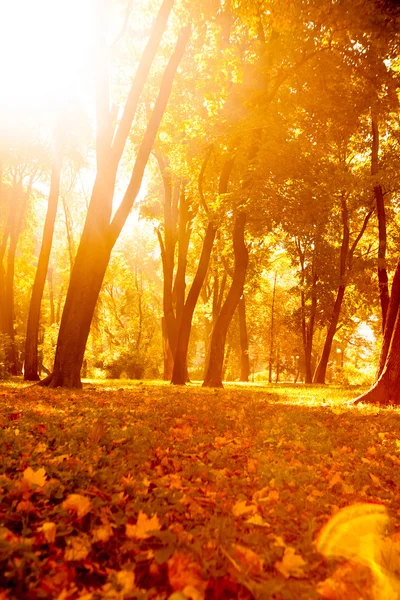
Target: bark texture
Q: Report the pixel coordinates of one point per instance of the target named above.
(213, 376)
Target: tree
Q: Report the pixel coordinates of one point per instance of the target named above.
(101, 230)
(32, 330)
(213, 377)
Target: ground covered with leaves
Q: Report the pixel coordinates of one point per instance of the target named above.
(157, 492)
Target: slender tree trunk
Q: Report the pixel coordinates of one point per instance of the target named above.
(21, 198)
(217, 298)
(51, 295)
(320, 372)
(179, 375)
(168, 358)
(380, 212)
(309, 329)
(167, 247)
(391, 319)
(214, 371)
(244, 341)
(271, 332)
(99, 235)
(32, 331)
(346, 257)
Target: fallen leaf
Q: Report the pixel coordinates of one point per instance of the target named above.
(77, 548)
(49, 531)
(143, 527)
(257, 520)
(77, 503)
(102, 533)
(184, 574)
(126, 579)
(291, 564)
(375, 479)
(248, 559)
(240, 508)
(35, 477)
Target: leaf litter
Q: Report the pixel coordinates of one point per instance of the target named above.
(156, 492)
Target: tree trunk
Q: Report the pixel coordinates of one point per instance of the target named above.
(214, 371)
(179, 375)
(17, 212)
(167, 248)
(32, 331)
(320, 372)
(168, 358)
(99, 235)
(391, 319)
(387, 389)
(346, 258)
(309, 330)
(271, 332)
(380, 212)
(244, 341)
(51, 295)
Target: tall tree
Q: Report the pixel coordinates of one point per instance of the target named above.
(32, 331)
(101, 230)
(213, 376)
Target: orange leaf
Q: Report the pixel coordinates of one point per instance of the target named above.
(143, 527)
(77, 503)
(184, 574)
(35, 477)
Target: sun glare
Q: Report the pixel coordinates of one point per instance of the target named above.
(47, 55)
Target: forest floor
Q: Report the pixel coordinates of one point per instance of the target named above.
(150, 491)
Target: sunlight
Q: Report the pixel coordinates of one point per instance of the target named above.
(47, 49)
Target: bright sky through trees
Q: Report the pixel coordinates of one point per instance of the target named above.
(47, 54)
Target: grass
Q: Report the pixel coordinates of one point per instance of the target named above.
(225, 481)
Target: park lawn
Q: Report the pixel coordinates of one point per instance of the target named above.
(151, 491)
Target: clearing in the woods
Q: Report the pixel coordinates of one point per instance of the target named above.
(155, 492)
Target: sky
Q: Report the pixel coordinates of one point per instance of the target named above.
(47, 56)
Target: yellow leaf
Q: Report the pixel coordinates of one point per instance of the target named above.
(249, 559)
(184, 573)
(40, 447)
(77, 548)
(35, 477)
(257, 520)
(49, 531)
(126, 579)
(375, 479)
(102, 533)
(348, 489)
(335, 479)
(240, 508)
(77, 503)
(143, 527)
(291, 564)
(337, 410)
(222, 441)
